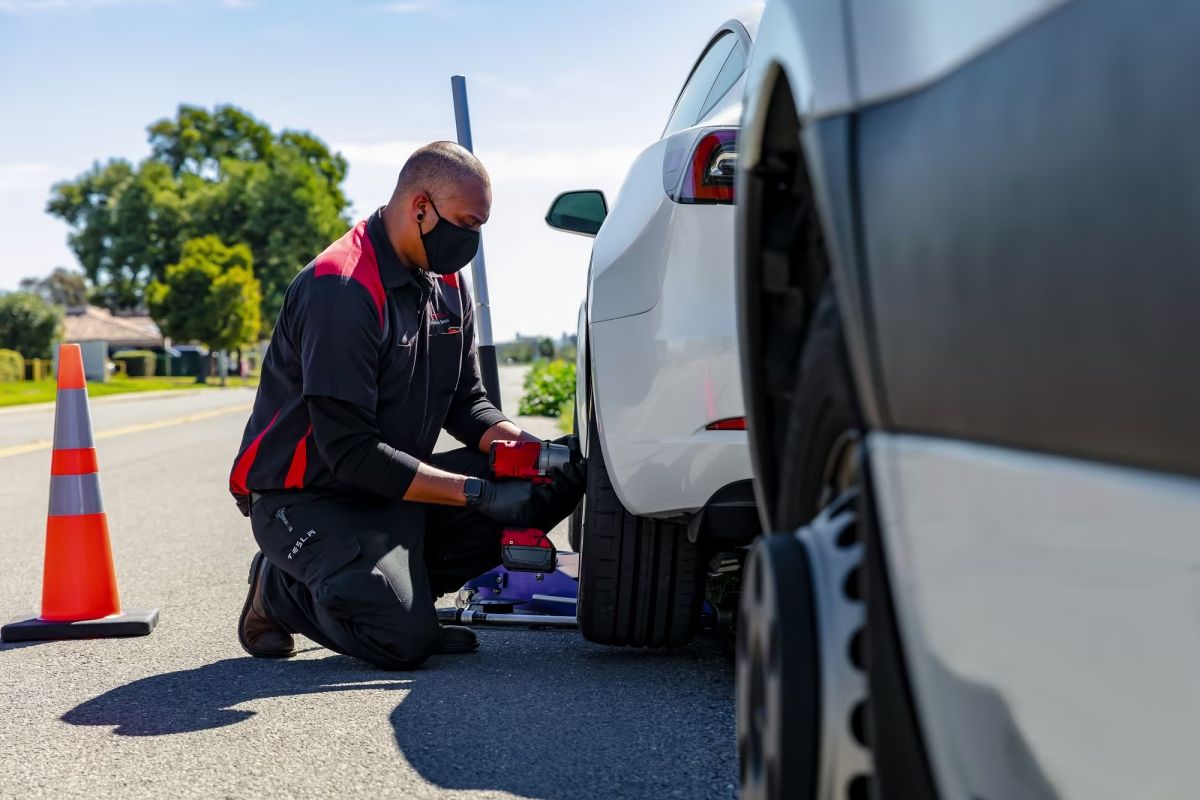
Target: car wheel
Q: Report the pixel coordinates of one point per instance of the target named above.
(641, 581)
(801, 682)
(801, 685)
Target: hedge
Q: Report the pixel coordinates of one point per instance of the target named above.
(12, 366)
(548, 387)
(138, 363)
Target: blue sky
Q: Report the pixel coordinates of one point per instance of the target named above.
(564, 93)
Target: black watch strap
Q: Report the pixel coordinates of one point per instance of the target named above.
(472, 490)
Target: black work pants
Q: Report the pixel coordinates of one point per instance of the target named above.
(360, 575)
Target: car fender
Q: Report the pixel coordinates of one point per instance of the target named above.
(582, 393)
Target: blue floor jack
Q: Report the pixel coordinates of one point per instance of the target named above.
(520, 597)
(533, 586)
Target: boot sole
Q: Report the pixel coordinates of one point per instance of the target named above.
(255, 571)
(457, 650)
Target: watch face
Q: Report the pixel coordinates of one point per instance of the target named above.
(472, 488)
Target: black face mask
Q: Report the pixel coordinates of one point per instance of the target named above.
(448, 247)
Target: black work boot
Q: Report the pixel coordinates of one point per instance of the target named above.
(456, 639)
(260, 635)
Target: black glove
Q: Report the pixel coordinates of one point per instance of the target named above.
(558, 499)
(509, 502)
(573, 476)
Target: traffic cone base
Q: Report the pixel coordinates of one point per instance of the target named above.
(32, 628)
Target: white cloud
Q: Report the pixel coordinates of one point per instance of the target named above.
(405, 7)
(25, 177)
(576, 167)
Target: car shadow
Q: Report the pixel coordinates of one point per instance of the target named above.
(544, 714)
(206, 697)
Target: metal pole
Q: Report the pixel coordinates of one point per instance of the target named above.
(483, 307)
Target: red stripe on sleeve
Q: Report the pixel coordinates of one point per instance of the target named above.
(352, 257)
(241, 470)
(295, 473)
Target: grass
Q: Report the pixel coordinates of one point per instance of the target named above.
(15, 394)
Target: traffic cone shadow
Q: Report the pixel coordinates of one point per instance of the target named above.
(79, 584)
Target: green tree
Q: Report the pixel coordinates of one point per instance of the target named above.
(211, 296)
(62, 287)
(219, 172)
(28, 324)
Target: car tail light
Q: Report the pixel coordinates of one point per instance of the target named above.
(709, 177)
(731, 424)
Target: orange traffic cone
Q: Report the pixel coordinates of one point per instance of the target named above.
(79, 584)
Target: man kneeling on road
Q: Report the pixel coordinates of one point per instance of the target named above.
(360, 525)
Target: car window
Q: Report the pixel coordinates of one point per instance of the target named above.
(695, 92)
(735, 65)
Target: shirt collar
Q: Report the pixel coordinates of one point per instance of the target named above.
(392, 271)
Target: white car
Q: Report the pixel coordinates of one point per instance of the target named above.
(659, 400)
(968, 292)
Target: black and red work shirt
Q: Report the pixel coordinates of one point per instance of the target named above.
(369, 361)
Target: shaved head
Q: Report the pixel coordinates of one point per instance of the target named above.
(440, 181)
(441, 168)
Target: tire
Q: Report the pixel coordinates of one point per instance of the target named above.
(641, 582)
(823, 418)
(802, 704)
(778, 682)
(802, 618)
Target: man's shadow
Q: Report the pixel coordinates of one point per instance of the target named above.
(536, 713)
(206, 697)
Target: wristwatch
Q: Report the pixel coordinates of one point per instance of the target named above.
(472, 491)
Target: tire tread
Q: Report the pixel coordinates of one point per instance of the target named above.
(640, 581)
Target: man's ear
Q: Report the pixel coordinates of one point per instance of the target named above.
(420, 203)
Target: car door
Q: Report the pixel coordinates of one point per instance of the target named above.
(1027, 194)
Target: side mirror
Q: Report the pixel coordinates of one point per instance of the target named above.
(580, 212)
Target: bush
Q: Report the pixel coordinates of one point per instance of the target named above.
(12, 366)
(138, 363)
(29, 325)
(566, 415)
(548, 386)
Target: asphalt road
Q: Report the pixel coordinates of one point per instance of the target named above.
(185, 713)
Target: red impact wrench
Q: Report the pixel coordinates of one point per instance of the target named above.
(527, 549)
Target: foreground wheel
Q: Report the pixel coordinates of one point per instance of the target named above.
(641, 582)
(801, 684)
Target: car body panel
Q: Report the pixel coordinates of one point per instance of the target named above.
(808, 40)
(1048, 611)
(1010, 199)
(659, 327)
(1021, 294)
(815, 64)
(660, 377)
(903, 45)
(631, 248)
(583, 395)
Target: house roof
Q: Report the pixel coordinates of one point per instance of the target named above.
(92, 324)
